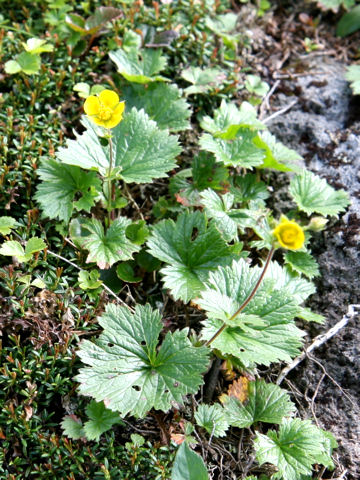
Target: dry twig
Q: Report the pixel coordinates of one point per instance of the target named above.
(353, 311)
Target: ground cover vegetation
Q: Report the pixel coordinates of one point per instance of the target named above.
(140, 253)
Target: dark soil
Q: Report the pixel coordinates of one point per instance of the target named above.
(324, 126)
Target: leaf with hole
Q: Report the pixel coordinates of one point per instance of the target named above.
(130, 371)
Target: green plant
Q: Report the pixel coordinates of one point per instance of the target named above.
(191, 264)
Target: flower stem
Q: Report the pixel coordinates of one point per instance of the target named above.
(109, 181)
(249, 298)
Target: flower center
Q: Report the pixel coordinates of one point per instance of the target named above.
(105, 113)
(289, 235)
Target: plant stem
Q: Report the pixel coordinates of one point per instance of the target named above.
(109, 181)
(249, 298)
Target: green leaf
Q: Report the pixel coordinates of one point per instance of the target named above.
(228, 119)
(107, 248)
(212, 418)
(352, 75)
(191, 248)
(34, 245)
(100, 18)
(309, 316)
(298, 445)
(222, 23)
(126, 273)
(137, 232)
(72, 427)
(219, 207)
(140, 66)
(36, 46)
(141, 150)
(349, 22)
(162, 102)
(264, 332)
(12, 67)
(136, 441)
(313, 194)
(82, 88)
(13, 248)
(266, 402)
(130, 371)
(29, 63)
(239, 152)
(38, 283)
(202, 80)
(89, 280)
(6, 224)
(297, 287)
(278, 157)
(188, 465)
(101, 419)
(303, 263)
(76, 22)
(61, 184)
(205, 173)
(254, 84)
(248, 188)
(228, 287)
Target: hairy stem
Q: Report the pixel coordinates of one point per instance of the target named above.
(249, 298)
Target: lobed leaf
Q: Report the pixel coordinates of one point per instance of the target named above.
(303, 263)
(238, 152)
(313, 194)
(130, 371)
(162, 102)
(212, 418)
(295, 448)
(106, 248)
(191, 248)
(61, 185)
(266, 402)
(141, 151)
(140, 66)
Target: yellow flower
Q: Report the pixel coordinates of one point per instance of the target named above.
(289, 234)
(106, 109)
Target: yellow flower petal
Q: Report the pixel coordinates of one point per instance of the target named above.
(98, 121)
(109, 98)
(92, 105)
(289, 234)
(119, 109)
(113, 121)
